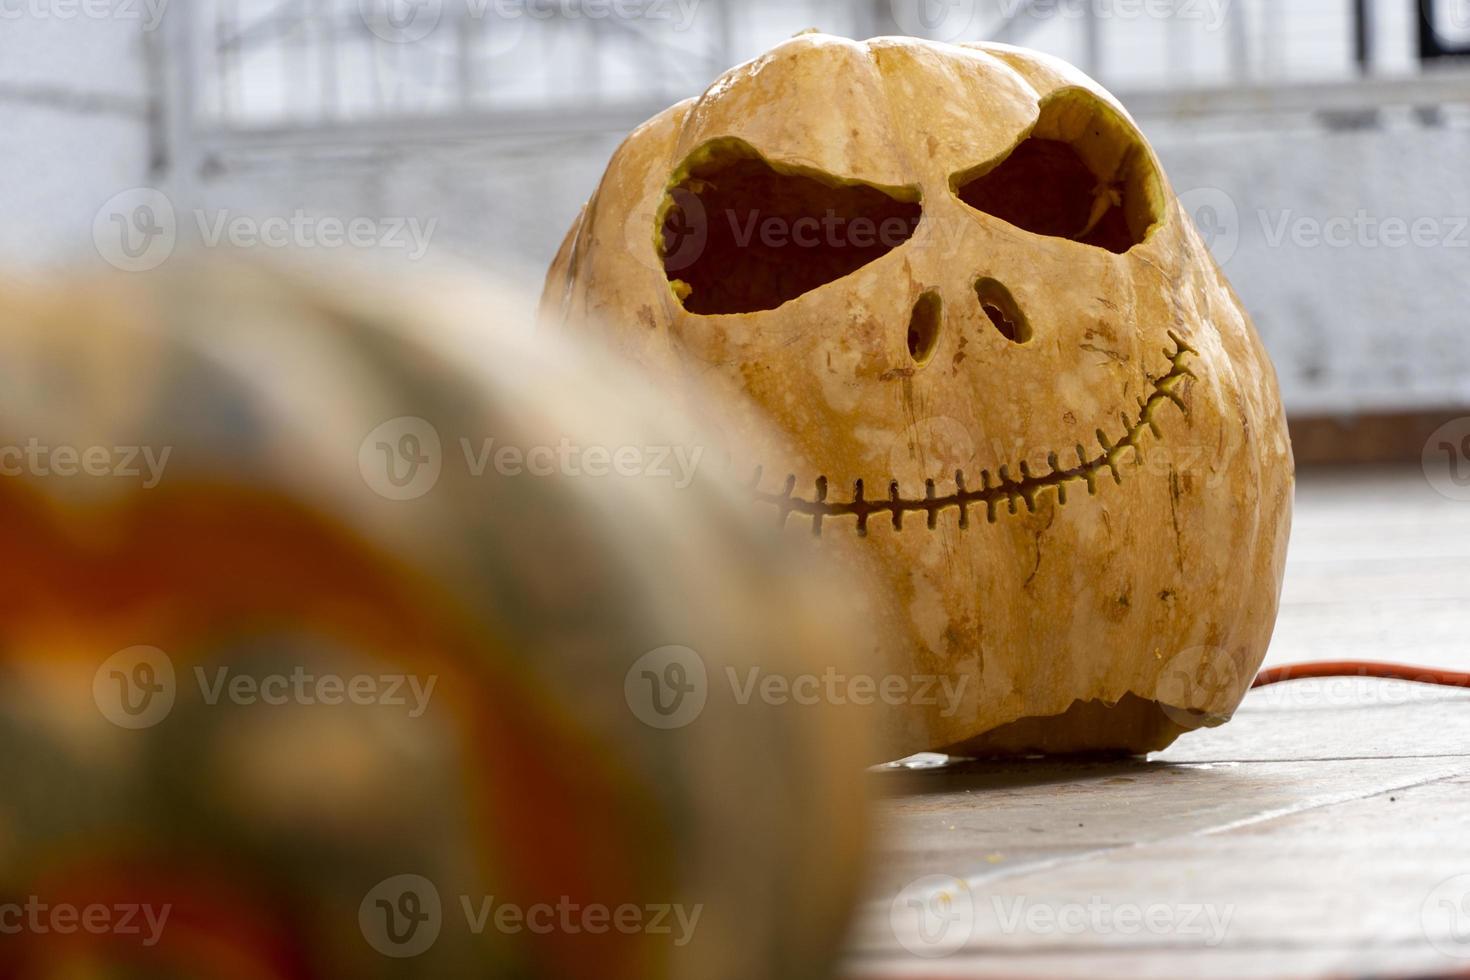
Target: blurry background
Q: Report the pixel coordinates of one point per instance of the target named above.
(1320, 143)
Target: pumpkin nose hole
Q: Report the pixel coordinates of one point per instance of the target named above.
(924, 327)
(1001, 308)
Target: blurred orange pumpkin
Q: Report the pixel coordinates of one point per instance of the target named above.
(286, 668)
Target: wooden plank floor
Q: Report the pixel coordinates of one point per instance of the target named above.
(1324, 832)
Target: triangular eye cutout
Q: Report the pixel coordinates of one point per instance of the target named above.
(1082, 174)
(738, 234)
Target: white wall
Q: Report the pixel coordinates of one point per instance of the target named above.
(1358, 313)
(73, 127)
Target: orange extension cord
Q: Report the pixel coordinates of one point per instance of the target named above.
(1361, 668)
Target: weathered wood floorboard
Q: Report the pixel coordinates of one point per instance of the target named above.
(1321, 833)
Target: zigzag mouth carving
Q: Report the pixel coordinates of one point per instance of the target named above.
(1005, 491)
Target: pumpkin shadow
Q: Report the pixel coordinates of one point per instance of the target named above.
(932, 774)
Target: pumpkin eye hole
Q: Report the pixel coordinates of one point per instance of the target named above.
(1083, 174)
(1001, 308)
(924, 327)
(739, 235)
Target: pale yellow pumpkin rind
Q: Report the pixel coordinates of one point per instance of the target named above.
(1158, 586)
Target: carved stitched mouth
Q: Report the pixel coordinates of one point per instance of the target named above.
(1003, 490)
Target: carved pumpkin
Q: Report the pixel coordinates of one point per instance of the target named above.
(1008, 383)
(279, 833)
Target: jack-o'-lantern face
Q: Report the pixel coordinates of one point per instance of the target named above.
(756, 247)
(1008, 380)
